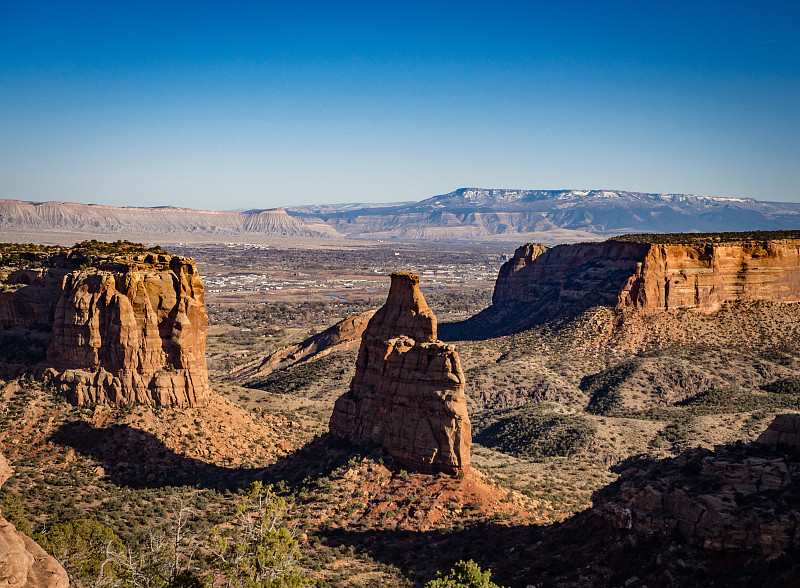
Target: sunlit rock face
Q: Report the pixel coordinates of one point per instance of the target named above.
(116, 330)
(651, 277)
(408, 393)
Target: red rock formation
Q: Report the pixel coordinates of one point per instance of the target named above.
(22, 562)
(343, 336)
(408, 391)
(652, 277)
(120, 329)
(704, 276)
(512, 272)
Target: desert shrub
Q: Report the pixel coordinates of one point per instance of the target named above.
(602, 387)
(257, 548)
(790, 385)
(84, 547)
(736, 400)
(465, 574)
(536, 435)
(297, 378)
(13, 511)
(726, 237)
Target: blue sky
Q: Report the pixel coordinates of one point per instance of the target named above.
(259, 104)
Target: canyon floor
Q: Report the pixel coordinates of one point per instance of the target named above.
(557, 411)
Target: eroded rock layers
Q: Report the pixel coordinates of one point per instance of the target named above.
(408, 390)
(342, 336)
(22, 562)
(117, 329)
(652, 277)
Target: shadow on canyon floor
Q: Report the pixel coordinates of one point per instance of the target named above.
(583, 551)
(137, 459)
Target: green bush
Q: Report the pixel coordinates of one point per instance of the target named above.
(602, 387)
(82, 547)
(536, 435)
(14, 511)
(465, 574)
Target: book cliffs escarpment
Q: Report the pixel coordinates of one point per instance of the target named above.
(652, 276)
(551, 216)
(116, 328)
(408, 391)
(22, 562)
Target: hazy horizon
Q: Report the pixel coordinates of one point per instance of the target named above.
(247, 106)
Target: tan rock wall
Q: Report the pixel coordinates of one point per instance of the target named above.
(705, 276)
(652, 277)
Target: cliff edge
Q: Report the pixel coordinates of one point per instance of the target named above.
(645, 273)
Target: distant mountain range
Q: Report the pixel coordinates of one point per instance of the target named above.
(547, 216)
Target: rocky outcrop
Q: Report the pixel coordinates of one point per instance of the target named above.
(513, 277)
(22, 562)
(734, 499)
(116, 329)
(408, 390)
(784, 430)
(343, 336)
(646, 276)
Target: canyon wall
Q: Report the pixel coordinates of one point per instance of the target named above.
(651, 277)
(408, 393)
(706, 275)
(115, 329)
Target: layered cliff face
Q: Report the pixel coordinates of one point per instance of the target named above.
(117, 329)
(706, 275)
(22, 562)
(408, 391)
(650, 276)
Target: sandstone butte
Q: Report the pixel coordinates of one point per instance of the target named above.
(652, 276)
(22, 562)
(408, 392)
(732, 499)
(342, 336)
(117, 329)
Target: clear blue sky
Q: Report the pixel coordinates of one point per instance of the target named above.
(224, 105)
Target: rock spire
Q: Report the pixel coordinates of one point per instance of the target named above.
(408, 390)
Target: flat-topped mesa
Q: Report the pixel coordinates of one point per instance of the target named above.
(408, 391)
(117, 329)
(653, 273)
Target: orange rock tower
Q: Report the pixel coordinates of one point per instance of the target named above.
(408, 390)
